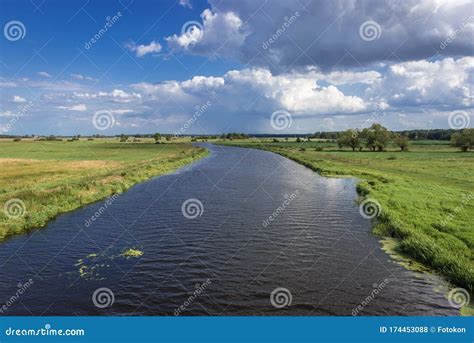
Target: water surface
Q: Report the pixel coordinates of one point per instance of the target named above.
(317, 246)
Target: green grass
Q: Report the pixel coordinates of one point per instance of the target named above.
(424, 195)
(50, 178)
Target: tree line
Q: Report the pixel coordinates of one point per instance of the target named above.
(377, 137)
(413, 135)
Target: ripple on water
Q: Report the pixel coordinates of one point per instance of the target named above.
(318, 247)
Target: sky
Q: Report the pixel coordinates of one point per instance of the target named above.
(208, 67)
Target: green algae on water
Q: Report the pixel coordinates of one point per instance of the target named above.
(131, 253)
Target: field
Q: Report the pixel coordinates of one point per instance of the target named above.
(426, 196)
(40, 179)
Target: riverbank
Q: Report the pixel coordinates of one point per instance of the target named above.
(425, 196)
(41, 180)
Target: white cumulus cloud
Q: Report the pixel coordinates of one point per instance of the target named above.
(18, 99)
(142, 50)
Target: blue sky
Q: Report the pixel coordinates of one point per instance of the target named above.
(191, 66)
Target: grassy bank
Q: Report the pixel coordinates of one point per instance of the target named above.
(40, 180)
(426, 196)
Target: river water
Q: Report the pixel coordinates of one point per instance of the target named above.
(315, 252)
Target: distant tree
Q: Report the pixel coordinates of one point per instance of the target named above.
(298, 140)
(463, 140)
(157, 137)
(123, 138)
(401, 141)
(349, 138)
(377, 137)
(168, 138)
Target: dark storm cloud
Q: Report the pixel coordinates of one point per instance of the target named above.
(290, 34)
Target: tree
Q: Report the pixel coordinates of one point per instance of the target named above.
(349, 138)
(377, 137)
(157, 137)
(123, 138)
(401, 141)
(464, 139)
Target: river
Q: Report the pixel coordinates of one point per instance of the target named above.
(257, 223)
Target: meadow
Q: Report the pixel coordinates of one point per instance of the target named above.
(426, 196)
(41, 179)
